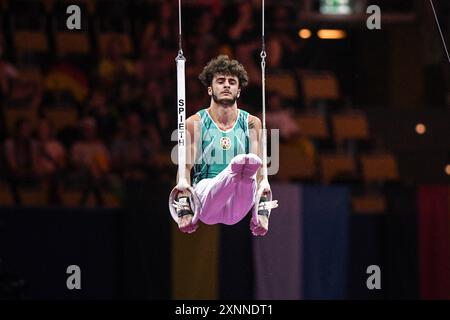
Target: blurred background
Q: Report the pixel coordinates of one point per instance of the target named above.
(85, 141)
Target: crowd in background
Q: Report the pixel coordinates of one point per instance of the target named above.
(125, 101)
(98, 119)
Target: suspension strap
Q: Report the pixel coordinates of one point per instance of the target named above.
(440, 31)
(180, 48)
(263, 87)
(181, 110)
(182, 185)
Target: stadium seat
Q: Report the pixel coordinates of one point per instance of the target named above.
(35, 196)
(351, 126)
(318, 85)
(337, 166)
(14, 114)
(30, 41)
(294, 164)
(379, 167)
(282, 83)
(90, 5)
(72, 43)
(72, 198)
(110, 200)
(62, 117)
(369, 204)
(104, 39)
(6, 198)
(312, 126)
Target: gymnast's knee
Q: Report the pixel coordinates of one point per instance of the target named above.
(247, 158)
(245, 167)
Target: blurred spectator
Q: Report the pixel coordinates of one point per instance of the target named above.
(134, 153)
(105, 117)
(91, 153)
(152, 62)
(50, 154)
(165, 126)
(7, 73)
(152, 100)
(156, 110)
(50, 159)
(195, 95)
(168, 28)
(25, 93)
(67, 85)
(20, 160)
(91, 157)
(115, 66)
(282, 44)
(282, 118)
(204, 34)
(244, 29)
(148, 36)
(246, 54)
(130, 96)
(16, 90)
(156, 61)
(199, 58)
(194, 89)
(213, 6)
(275, 48)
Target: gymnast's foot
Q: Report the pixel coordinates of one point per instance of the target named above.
(264, 208)
(262, 227)
(185, 215)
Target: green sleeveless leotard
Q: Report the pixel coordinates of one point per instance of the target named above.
(216, 147)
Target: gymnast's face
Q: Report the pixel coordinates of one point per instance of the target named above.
(224, 89)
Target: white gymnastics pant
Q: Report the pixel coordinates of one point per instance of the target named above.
(230, 195)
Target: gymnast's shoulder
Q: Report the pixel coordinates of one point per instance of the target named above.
(254, 122)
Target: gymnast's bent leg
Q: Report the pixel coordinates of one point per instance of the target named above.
(229, 196)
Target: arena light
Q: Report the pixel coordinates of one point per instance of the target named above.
(421, 128)
(304, 33)
(331, 34)
(447, 169)
(335, 7)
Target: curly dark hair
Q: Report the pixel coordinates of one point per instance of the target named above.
(223, 65)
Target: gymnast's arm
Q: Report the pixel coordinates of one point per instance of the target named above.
(255, 133)
(192, 135)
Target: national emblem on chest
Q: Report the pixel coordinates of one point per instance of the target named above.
(225, 143)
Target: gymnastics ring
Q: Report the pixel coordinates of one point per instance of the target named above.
(194, 200)
(264, 188)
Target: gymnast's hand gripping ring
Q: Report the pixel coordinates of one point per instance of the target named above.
(194, 200)
(264, 189)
